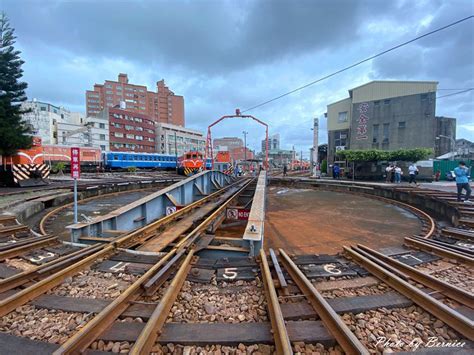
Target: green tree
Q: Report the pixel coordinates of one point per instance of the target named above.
(14, 133)
(390, 155)
(324, 166)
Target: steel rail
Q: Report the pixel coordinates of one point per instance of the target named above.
(445, 253)
(152, 329)
(21, 297)
(280, 333)
(454, 319)
(80, 341)
(10, 303)
(27, 275)
(452, 247)
(346, 339)
(143, 232)
(191, 237)
(451, 291)
(44, 241)
(18, 242)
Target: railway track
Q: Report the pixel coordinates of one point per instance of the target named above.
(84, 185)
(173, 301)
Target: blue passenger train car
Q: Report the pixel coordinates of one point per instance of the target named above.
(124, 160)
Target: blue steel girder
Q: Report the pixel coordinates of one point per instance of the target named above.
(152, 207)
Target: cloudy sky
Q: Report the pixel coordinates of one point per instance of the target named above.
(226, 54)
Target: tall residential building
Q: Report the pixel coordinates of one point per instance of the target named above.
(227, 143)
(171, 139)
(388, 115)
(43, 118)
(273, 142)
(129, 131)
(162, 106)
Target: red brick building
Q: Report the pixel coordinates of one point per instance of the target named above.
(130, 131)
(239, 153)
(161, 106)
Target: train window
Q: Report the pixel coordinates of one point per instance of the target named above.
(188, 156)
(115, 157)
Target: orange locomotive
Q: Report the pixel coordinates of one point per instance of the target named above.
(223, 162)
(191, 163)
(26, 168)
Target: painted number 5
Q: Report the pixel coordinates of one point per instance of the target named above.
(230, 273)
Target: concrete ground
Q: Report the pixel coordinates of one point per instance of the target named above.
(321, 222)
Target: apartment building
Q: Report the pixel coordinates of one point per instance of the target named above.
(162, 106)
(129, 131)
(173, 139)
(43, 118)
(273, 143)
(227, 143)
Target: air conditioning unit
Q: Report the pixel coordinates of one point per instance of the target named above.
(340, 147)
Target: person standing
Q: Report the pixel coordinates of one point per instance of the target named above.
(336, 172)
(285, 170)
(388, 173)
(462, 182)
(413, 172)
(398, 175)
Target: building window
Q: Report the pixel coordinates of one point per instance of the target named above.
(102, 147)
(43, 108)
(342, 117)
(102, 137)
(386, 102)
(376, 103)
(118, 135)
(375, 133)
(386, 132)
(340, 139)
(401, 124)
(130, 136)
(101, 125)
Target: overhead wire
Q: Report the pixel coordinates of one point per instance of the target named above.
(360, 62)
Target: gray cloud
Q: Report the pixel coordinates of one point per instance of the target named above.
(226, 54)
(202, 36)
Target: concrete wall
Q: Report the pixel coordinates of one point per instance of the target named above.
(333, 114)
(411, 121)
(445, 126)
(380, 90)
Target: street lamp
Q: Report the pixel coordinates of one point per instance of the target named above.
(453, 144)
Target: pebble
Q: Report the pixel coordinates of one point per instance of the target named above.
(94, 284)
(226, 303)
(51, 326)
(400, 326)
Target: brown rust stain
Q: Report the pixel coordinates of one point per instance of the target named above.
(321, 222)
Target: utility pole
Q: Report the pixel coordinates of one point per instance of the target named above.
(245, 146)
(176, 151)
(315, 167)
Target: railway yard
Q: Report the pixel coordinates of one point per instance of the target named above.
(214, 264)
